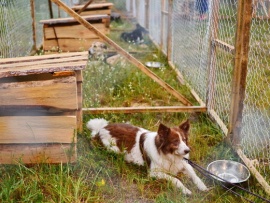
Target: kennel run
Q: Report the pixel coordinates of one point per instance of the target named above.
(227, 72)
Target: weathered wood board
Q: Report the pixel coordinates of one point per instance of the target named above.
(37, 153)
(37, 129)
(40, 108)
(55, 93)
(95, 9)
(67, 35)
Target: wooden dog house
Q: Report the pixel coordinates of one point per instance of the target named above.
(40, 108)
(67, 35)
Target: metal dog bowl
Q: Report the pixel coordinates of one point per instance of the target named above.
(153, 64)
(230, 171)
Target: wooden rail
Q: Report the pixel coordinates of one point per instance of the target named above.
(145, 109)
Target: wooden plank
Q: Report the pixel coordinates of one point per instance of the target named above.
(244, 18)
(120, 50)
(42, 57)
(59, 61)
(37, 153)
(254, 171)
(147, 14)
(43, 68)
(142, 109)
(224, 46)
(218, 120)
(169, 38)
(96, 12)
(33, 16)
(73, 31)
(72, 20)
(37, 129)
(50, 93)
(94, 6)
(181, 80)
(66, 45)
(211, 72)
(79, 79)
(85, 6)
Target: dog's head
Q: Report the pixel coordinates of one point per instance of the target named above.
(97, 50)
(173, 140)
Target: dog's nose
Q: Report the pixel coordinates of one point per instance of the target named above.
(186, 151)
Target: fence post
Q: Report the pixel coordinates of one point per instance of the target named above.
(244, 16)
(147, 14)
(162, 24)
(214, 22)
(33, 15)
(170, 21)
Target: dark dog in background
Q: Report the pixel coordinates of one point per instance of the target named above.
(136, 36)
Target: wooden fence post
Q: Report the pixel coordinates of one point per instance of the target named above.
(162, 24)
(147, 14)
(33, 16)
(214, 22)
(244, 16)
(170, 21)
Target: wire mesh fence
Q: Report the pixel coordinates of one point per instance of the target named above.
(203, 39)
(255, 135)
(16, 30)
(202, 33)
(16, 37)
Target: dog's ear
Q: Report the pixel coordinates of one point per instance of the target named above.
(163, 131)
(185, 126)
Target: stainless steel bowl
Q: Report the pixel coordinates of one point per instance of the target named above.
(230, 171)
(153, 64)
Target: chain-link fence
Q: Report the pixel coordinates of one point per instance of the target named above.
(255, 135)
(203, 49)
(18, 35)
(16, 38)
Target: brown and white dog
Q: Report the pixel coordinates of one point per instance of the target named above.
(163, 150)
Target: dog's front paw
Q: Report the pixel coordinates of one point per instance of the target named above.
(186, 191)
(202, 187)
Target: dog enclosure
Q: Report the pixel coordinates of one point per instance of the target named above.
(222, 54)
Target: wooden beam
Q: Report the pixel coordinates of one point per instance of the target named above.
(37, 153)
(32, 2)
(226, 47)
(50, 8)
(244, 18)
(212, 66)
(44, 57)
(37, 129)
(51, 93)
(120, 50)
(254, 171)
(85, 6)
(169, 39)
(181, 80)
(71, 20)
(144, 109)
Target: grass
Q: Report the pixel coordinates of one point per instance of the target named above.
(101, 176)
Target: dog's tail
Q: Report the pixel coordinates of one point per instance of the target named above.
(95, 125)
